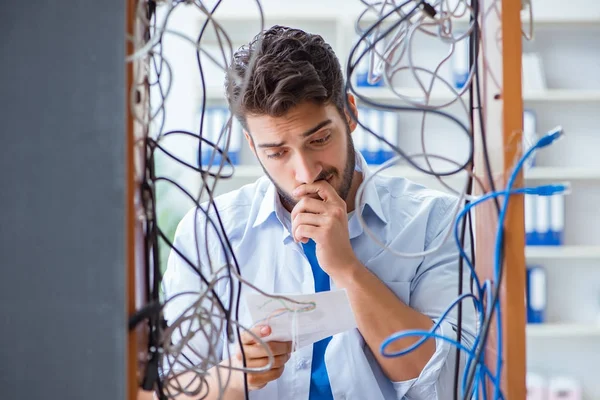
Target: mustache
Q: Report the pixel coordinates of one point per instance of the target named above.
(324, 175)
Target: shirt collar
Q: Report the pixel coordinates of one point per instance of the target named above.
(370, 193)
(271, 204)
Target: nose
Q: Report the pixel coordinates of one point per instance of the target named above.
(307, 169)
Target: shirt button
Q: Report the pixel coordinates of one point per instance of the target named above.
(301, 364)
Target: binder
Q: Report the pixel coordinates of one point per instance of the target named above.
(564, 388)
(206, 134)
(537, 386)
(215, 119)
(460, 63)
(529, 135)
(362, 69)
(557, 219)
(358, 136)
(373, 144)
(530, 214)
(235, 144)
(216, 122)
(536, 294)
(542, 221)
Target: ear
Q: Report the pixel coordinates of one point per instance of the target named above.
(250, 141)
(351, 109)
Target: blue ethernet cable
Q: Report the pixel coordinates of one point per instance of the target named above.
(543, 190)
(541, 143)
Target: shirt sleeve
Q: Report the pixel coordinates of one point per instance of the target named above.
(433, 289)
(192, 308)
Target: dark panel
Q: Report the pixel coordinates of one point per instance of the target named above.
(62, 200)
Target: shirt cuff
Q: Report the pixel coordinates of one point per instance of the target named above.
(430, 373)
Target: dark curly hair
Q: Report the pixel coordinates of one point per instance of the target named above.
(290, 67)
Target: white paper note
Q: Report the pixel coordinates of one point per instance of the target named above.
(319, 315)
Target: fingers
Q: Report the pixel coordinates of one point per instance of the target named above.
(256, 358)
(258, 350)
(309, 205)
(278, 362)
(258, 381)
(260, 331)
(305, 232)
(321, 188)
(306, 219)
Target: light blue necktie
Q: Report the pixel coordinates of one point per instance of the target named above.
(320, 388)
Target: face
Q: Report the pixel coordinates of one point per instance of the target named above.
(311, 142)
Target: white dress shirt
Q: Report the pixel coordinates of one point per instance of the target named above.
(407, 217)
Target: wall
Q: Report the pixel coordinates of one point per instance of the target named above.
(62, 200)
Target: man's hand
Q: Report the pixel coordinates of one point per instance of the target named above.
(256, 357)
(324, 220)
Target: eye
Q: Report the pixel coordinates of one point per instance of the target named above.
(322, 140)
(274, 156)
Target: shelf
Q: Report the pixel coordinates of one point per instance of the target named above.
(562, 330)
(562, 252)
(562, 173)
(562, 95)
(582, 21)
(536, 173)
(303, 11)
(549, 95)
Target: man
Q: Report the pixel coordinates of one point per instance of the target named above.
(297, 126)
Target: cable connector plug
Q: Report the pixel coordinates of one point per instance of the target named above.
(429, 9)
(550, 190)
(550, 137)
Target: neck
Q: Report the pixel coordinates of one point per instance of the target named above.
(350, 199)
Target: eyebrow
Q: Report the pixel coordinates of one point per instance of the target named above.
(306, 134)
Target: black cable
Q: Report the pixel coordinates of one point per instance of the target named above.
(151, 375)
(382, 106)
(200, 169)
(460, 286)
(474, 46)
(151, 243)
(152, 312)
(211, 202)
(488, 320)
(473, 65)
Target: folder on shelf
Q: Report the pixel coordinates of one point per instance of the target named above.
(235, 143)
(529, 135)
(359, 135)
(373, 143)
(460, 63)
(542, 220)
(564, 388)
(536, 294)
(216, 131)
(206, 134)
(363, 67)
(533, 75)
(557, 219)
(530, 214)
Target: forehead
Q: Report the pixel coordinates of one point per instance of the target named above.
(294, 123)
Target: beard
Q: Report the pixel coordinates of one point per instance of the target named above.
(343, 189)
